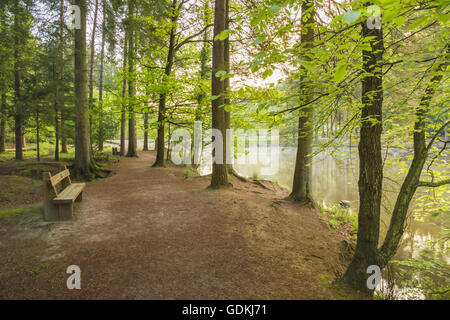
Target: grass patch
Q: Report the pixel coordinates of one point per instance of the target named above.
(24, 211)
(18, 190)
(190, 172)
(336, 217)
(37, 270)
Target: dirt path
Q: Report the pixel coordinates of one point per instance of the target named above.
(147, 233)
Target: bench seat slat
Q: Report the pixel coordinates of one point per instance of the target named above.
(70, 193)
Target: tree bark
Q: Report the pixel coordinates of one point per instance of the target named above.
(100, 84)
(160, 145)
(371, 169)
(61, 101)
(3, 123)
(38, 151)
(145, 148)
(56, 133)
(18, 116)
(412, 180)
(219, 176)
(82, 164)
(123, 120)
(91, 71)
(226, 56)
(132, 141)
(302, 183)
(203, 75)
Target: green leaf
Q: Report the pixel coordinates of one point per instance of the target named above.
(260, 39)
(223, 35)
(339, 74)
(442, 17)
(275, 8)
(351, 16)
(220, 74)
(267, 73)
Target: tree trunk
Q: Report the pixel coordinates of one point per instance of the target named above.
(100, 84)
(219, 176)
(162, 98)
(61, 101)
(18, 116)
(411, 182)
(82, 164)
(123, 120)
(3, 123)
(168, 142)
(132, 141)
(146, 131)
(38, 151)
(226, 89)
(203, 75)
(302, 183)
(371, 170)
(56, 134)
(91, 71)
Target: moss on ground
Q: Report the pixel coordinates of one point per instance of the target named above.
(33, 210)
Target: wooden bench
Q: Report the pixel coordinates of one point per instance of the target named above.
(60, 194)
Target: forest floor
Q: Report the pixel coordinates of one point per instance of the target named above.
(149, 233)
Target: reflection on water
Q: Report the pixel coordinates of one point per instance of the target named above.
(335, 178)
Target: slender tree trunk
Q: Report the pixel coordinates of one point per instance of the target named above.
(82, 165)
(3, 91)
(132, 141)
(203, 75)
(302, 183)
(162, 98)
(145, 131)
(18, 116)
(3, 123)
(219, 168)
(62, 102)
(411, 182)
(91, 71)
(226, 55)
(371, 169)
(123, 120)
(100, 93)
(56, 133)
(168, 142)
(38, 150)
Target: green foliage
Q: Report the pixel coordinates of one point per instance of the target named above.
(429, 273)
(36, 271)
(24, 211)
(336, 217)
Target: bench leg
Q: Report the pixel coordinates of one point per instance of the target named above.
(65, 211)
(51, 211)
(80, 197)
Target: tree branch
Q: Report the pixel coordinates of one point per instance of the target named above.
(433, 184)
(188, 39)
(437, 134)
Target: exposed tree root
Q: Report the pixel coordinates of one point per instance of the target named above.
(307, 201)
(94, 171)
(236, 174)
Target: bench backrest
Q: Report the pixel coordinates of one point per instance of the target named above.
(61, 177)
